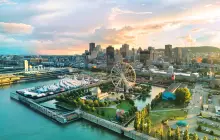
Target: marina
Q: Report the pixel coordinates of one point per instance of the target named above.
(30, 98)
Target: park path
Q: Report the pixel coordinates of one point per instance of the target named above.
(164, 110)
(111, 106)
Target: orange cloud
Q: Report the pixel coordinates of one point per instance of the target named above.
(16, 28)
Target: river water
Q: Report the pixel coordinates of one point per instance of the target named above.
(140, 104)
(18, 122)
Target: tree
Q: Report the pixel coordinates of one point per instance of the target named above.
(177, 133)
(142, 124)
(96, 103)
(169, 134)
(101, 104)
(148, 108)
(186, 135)
(195, 137)
(211, 132)
(93, 109)
(121, 97)
(161, 132)
(199, 128)
(148, 129)
(183, 95)
(205, 138)
(205, 60)
(215, 138)
(156, 133)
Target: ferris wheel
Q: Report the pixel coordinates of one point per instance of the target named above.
(123, 76)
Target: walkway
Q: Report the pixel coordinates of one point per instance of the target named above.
(167, 110)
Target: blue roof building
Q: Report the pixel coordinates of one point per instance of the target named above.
(168, 96)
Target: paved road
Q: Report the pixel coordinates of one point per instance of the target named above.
(194, 107)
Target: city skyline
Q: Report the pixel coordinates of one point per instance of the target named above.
(67, 27)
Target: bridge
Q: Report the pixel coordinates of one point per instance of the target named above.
(173, 87)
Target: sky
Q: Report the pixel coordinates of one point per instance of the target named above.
(66, 27)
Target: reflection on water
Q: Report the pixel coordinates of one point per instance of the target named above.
(141, 103)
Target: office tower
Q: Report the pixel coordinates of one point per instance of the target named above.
(98, 48)
(151, 52)
(25, 65)
(91, 47)
(110, 56)
(168, 52)
(144, 56)
(133, 54)
(124, 50)
(86, 58)
(139, 50)
(118, 56)
(185, 55)
(178, 55)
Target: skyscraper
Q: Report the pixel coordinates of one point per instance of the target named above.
(124, 50)
(110, 56)
(144, 56)
(91, 47)
(178, 55)
(98, 48)
(168, 51)
(25, 65)
(151, 52)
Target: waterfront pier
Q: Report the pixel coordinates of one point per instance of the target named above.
(70, 116)
(61, 118)
(115, 127)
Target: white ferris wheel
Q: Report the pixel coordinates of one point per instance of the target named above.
(123, 76)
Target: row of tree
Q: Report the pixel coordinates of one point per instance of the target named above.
(142, 123)
(74, 99)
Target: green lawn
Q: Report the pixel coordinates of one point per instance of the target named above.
(109, 113)
(157, 117)
(167, 105)
(124, 105)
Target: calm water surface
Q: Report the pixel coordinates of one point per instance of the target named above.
(154, 92)
(18, 122)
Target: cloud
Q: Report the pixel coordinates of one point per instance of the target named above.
(15, 28)
(8, 2)
(208, 5)
(68, 26)
(117, 11)
(197, 30)
(188, 39)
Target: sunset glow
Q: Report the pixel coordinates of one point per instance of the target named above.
(66, 27)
